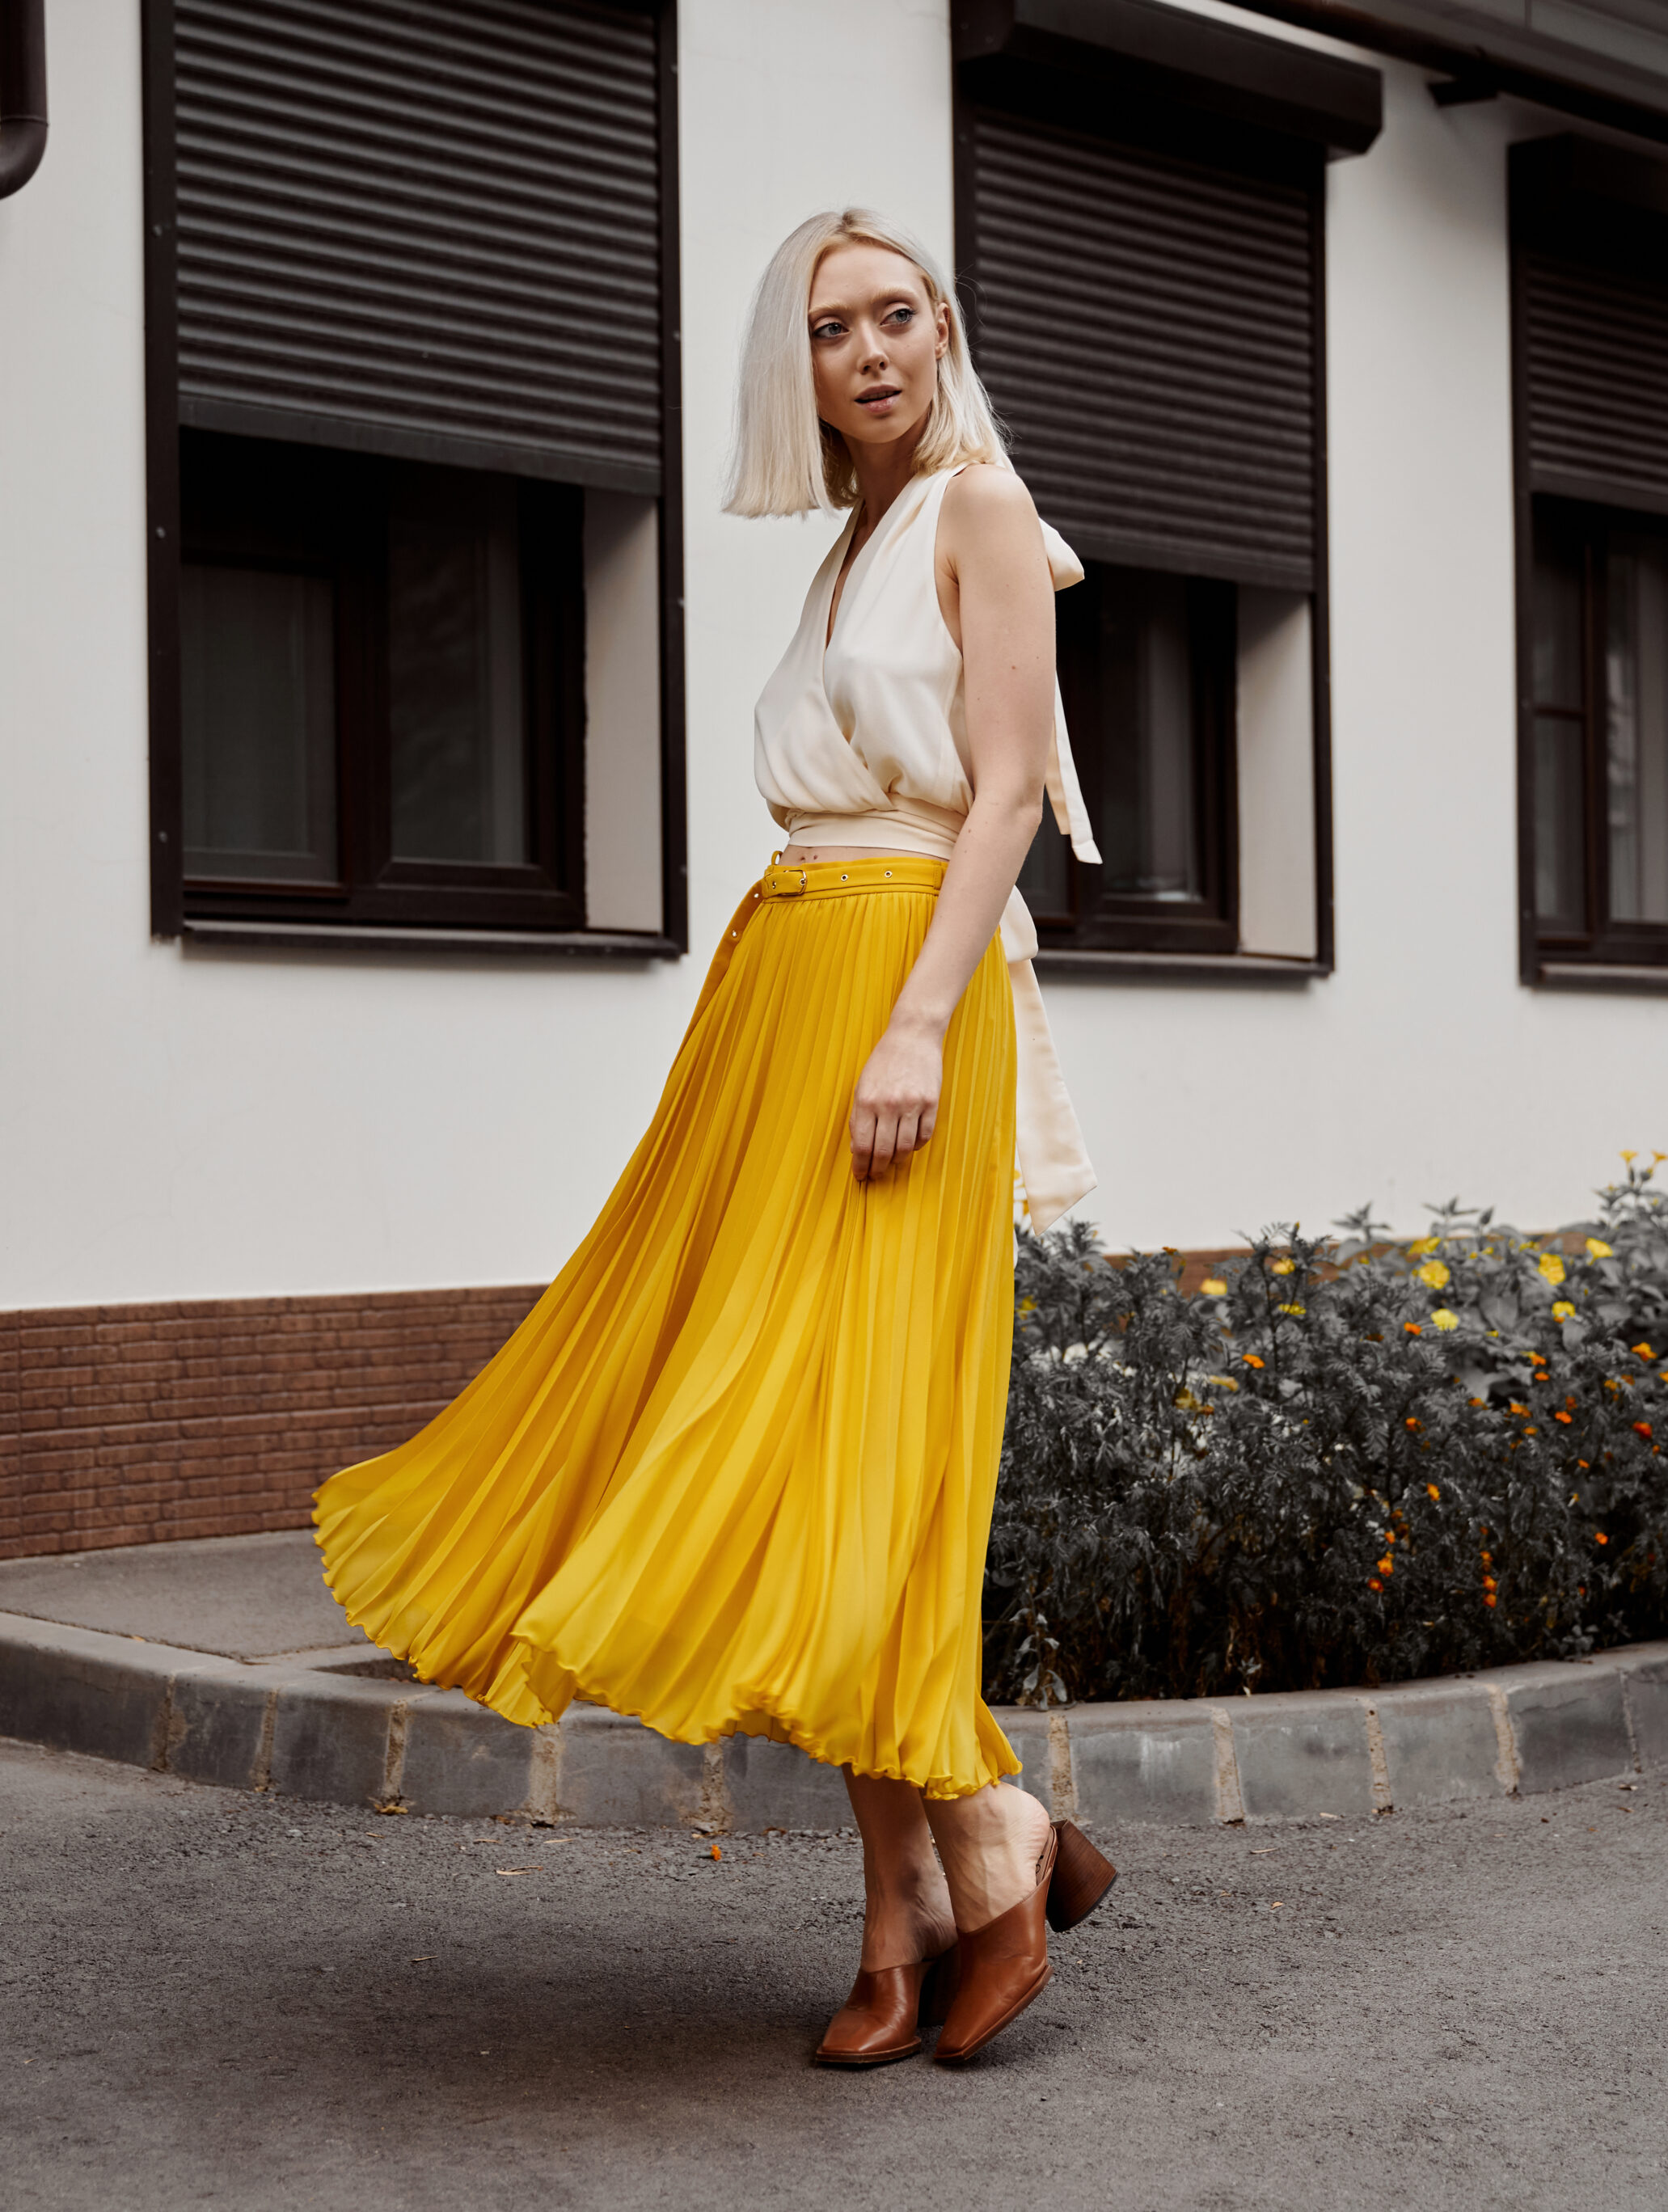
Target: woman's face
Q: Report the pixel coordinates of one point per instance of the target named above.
(876, 341)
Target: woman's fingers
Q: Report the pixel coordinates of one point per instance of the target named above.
(862, 1139)
(881, 1137)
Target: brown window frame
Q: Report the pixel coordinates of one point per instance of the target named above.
(1151, 79)
(379, 904)
(339, 533)
(1605, 942)
(1593, 207)
(1096, 920)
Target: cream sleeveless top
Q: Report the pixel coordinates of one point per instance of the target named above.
(865, 743)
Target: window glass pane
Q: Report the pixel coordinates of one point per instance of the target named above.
(1126, 650)
(1560, 822)
(457, 725)
(1557, 640)
(1636, 728)
(258, 724)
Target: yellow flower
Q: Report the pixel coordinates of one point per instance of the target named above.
(1291, 1310)
(1432, 1491)
(1027, 1306)
(1444, 1318)
(1597, 1249)
(1643, 1350)
(1433, 1275)
(1282, 1266)
(1562, 1310)
(1214, 1287)
(1422, 1245)
(1551, 1266)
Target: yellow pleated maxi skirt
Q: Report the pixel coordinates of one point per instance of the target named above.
(734, 1471)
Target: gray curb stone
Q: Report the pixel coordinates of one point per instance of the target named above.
(304, 1731)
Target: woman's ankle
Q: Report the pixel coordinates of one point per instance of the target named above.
(906, 1919)
(990, 1844)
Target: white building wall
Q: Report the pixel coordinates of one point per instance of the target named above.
(201, 1125)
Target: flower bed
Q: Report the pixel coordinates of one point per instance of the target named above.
(1337, 1462)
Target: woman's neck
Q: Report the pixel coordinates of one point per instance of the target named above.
(882, 472)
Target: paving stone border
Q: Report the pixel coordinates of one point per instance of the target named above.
(327, 1729)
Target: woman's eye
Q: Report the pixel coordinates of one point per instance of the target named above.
(901, 315)
(826, 330)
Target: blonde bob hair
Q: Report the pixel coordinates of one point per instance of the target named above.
(786, 460)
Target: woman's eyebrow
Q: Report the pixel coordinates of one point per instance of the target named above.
(897, 293)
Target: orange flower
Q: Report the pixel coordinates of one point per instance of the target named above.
(1479, 1401)
(1413, 1423)
(1564, 1418)
(1412, 1329)
(1373, 1582)
(1489, 1582)
(717, 1853)
(1584, 1466)
(1432, 1491)
(1643, 1350)
(1600, 1537)
(1515, 1408)
(1643, 1429)
(1491, 1599)
(1386, 1565)
(1252, 1360)
(1487, 1558)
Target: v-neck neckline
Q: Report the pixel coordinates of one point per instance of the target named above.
(831, 615)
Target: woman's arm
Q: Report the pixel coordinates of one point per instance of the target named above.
(1001, 611)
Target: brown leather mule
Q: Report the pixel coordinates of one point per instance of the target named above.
(1004, 1965)
(889, 2005)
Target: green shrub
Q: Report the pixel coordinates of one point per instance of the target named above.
(1339, 1461)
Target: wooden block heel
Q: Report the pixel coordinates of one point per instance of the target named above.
(1081, 1877)
(938, 1990)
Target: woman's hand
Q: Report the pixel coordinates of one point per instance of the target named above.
(896, 1103)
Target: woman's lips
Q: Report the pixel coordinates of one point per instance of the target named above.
(879, 402)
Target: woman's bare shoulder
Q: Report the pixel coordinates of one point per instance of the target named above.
(986, 493)
(989, 520)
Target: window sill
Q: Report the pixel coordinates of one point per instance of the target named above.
(1600, 975)
(359, 936)
(1241, 968)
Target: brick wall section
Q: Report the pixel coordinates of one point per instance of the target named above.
(132, 1424)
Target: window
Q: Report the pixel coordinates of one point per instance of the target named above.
(1591, 311)
(381, 705)
(1139, 225)
(416, 626)
(1599, 710)
(1146, 674)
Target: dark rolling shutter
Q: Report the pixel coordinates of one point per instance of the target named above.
(428, 227)
(1594, 381)
(1147, 326)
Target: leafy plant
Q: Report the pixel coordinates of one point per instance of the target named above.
(1339, 1461)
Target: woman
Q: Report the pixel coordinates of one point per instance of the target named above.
(734, 1471)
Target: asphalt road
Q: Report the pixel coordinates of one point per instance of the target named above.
(210, 1998)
